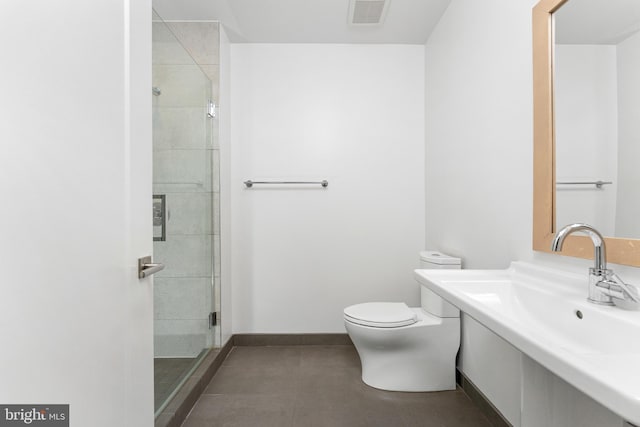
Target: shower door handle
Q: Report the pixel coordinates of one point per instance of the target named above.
(146, 268)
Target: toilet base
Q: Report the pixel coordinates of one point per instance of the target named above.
(408, 380)
(416, 358)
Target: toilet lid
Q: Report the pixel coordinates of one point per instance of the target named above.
(381, 314)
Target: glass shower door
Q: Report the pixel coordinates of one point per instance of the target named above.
(183, 212)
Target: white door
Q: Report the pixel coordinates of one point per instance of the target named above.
(75, 208)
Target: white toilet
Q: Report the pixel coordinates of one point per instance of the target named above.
(408, 349)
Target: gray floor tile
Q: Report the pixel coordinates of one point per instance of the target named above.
(329, 414)
(344, 405)
(238, 380)
(241, 411)
(442, 409)
(317, 386)
(335, 382)
(264, 356)
(312, 357)
(383, 413)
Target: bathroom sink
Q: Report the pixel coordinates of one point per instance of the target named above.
(544, 313)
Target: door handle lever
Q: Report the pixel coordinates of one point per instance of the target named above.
(146, 268)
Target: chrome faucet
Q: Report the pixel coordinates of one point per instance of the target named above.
(604, 284)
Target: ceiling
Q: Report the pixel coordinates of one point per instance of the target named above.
(597, 21)
(308, 21)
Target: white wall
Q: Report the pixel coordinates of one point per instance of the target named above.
(586, 112)
(479, 188)
(628, 210)
(478, 137)
(352, 115)
(75, 177)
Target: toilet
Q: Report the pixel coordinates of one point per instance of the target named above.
(405, 348)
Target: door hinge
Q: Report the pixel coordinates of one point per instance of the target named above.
(213, 319)
(211, 109)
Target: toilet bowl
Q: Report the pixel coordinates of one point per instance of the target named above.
(408, 349)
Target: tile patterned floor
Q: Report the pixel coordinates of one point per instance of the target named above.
(309, 386)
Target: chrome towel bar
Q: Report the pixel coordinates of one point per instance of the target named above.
(598, 184)
(250, 183)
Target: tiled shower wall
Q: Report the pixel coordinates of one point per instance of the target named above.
(186, 165)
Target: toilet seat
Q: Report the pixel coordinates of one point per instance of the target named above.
(381, 314)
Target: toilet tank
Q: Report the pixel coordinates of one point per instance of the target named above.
(430, 301)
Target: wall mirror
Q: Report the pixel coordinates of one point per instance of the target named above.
(586, 60)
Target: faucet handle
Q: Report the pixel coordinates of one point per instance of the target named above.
(615, 287)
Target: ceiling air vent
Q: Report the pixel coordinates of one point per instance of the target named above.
(368, 12)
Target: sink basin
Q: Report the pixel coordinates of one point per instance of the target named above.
(544, 313)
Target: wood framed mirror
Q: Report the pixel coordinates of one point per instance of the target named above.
(620, 249)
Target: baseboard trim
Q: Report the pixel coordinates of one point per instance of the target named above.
(290, 339)
(480, 400)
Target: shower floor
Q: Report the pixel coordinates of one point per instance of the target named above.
(167, 374)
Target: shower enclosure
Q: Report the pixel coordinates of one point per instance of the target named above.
(185, 201)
